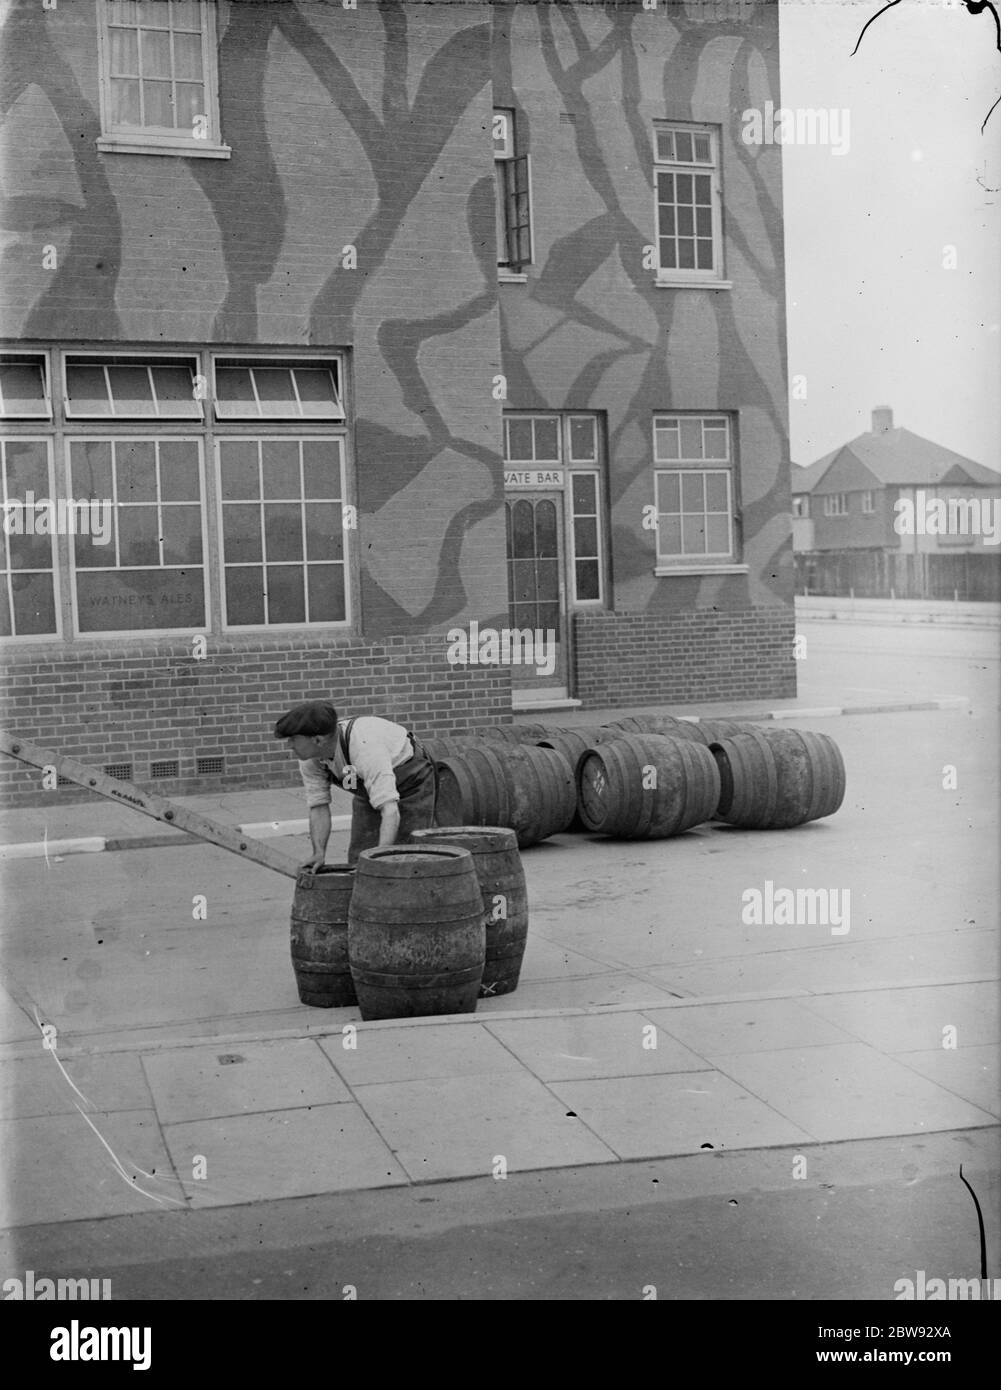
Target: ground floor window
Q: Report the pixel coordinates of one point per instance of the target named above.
(694, 489)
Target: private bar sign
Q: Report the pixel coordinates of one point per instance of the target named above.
(534, 477)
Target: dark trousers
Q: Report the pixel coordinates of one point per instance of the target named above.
(417, 783)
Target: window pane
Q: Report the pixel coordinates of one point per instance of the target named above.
(182, 535)
(34, 604)
(716, 492)
(583, 445)
(286, 597)
(523, 530)
(244, 596)
(175, 391)
(703, 187)
(27, 467)
(587, 580)
(686, 255)
(704, 221)
(692, 492)
(241, 530)
(668, 255)
(88, 554)
(523, 573)
(316, 391)
(130, 390)
(283, 532)
(190, 104)
(138, 533)
(666, 443)
(179, 471)
(124, 102)
(324, 533)
(137, 599)
(586, 536)
(702, 147)
(683, 184)
(669, 492)
(154, 48)
(545, 528)
(274, 387)
(124, 53)
(705, 255)
(519, 440)
(158, 109)
(233, 384)
(665, 144)
(321, 460)
(326, 593)
(281, 468)
(22, 385)
(715, 443)
(683, 145)
(665, 189)
(29, 552)
(691, 438)
(686, 221)
(585, 493)
(548, 579)
(547, 441)
(185, 14)
(188, 57)
(717, 535)
(548, 619)
(135, 470)
(123, 12)
(87, 390)
(238, 460)
(669, 535)
(694, 535)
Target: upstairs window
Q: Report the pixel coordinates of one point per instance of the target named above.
(249, 389)
(24, 387)
(514, 194)
(688, 199)
(801, 505)
(158, 77)
(836, 504)
(868, 503)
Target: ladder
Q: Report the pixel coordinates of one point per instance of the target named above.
(158, 807)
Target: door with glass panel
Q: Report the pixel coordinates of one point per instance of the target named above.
(553, 475)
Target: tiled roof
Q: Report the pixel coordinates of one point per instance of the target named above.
(899, 457)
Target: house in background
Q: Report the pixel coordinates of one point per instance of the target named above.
(893, 514)
(372, 322)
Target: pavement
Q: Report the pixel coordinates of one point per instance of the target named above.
(154, 1062)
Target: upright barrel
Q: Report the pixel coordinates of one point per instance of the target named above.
(319, 936)
(416, 935)
(505, 897)
(772, 779)
(646, 786)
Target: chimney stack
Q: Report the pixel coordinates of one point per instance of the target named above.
(882, 419)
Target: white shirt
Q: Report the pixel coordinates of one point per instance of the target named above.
(377, 746)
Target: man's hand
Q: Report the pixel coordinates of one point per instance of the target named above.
(311, 865)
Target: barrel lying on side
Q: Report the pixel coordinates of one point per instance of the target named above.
(320, 936)
(771, 779)
(663, 724)
(416, 935)
(646, 786)
(505, 897)
(512, 733)
(529, 790)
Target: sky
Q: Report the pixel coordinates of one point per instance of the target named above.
(875, 316)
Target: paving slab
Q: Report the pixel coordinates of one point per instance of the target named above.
(971, 1072)
(417, 1054)
(194, 1083)
(458, 1126)
(44, 1085)
(758, 1025)
(680, 1113)
(849, 1091)
(56, 1168)
(612, 987)
(280, 1153)
(619, 1044)
(913, 1020)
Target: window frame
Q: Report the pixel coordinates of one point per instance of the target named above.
(71, 356)
(7, 641)
(260, 436)
(835, 505)
(729, 562)
(9, 357)
(79, 635)
(158, 140)
(506, 166)
(869, 497)
(333, 363)
(682, 278)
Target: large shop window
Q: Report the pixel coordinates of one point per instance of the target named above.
(28, 602)
(694, 491)
(282, 530)
(688, 190)
(159, 79)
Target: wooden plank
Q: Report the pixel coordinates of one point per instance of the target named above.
(157, 807)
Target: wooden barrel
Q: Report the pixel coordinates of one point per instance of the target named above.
(771, 779)
(572, 742)
(505, 897)
(416, 936)
(512, 733)
(437, 748)
(713, 730)
(664, 724)
(320, 936)
(646, 786)
(528, 790)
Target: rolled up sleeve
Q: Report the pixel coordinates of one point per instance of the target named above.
(316, 780)
(374, 766)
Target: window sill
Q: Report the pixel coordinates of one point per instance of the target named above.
(188, 149)
(693, 284)
(662, 571)
(511, 277)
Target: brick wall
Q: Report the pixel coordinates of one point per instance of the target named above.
(156, 702)
(640, 658)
